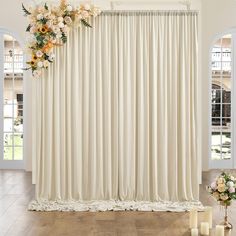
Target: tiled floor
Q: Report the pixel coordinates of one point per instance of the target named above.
(16, 191)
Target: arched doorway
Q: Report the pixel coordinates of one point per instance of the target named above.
(221, 102)
(11, 102)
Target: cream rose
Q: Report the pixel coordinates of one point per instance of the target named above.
(40, 64)
(46, 63)
(69, 8)
(224, 197)
(61, 25)
(67, 20)
(87, 7)
(221, 188)
(220, 181)
(36, 73)
(39, 53)
(216, 195)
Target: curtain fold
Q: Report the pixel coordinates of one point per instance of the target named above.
(115, 114)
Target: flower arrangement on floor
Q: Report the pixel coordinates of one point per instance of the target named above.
(223, 189)
(49, 26)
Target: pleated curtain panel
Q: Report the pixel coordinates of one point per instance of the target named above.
(115, 117)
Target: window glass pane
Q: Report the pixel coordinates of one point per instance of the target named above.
(226, 96)
(7, 139)
(216, 68)
(216, 96)
(8, 125)
(8, 111)
(18, 125)
(226, 152)
(226, 138)
(18, 153)
(8, 153)
(216, 138)
(216, 152)
(13, 99)
(226, 124)
(221, 99)
(216, 110)
(18, 87)
(216, 124)
(226, 110)
(18, 139)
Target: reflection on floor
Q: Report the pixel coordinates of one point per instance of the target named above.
(16, 191)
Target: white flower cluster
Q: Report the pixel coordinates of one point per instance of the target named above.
(49, 26)
(223, 188)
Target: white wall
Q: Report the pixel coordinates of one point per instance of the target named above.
(12, 19)
(218, 16)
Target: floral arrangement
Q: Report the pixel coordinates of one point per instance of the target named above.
(49, 26)
(223, 188)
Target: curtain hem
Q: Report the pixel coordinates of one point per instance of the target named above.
(112, 205)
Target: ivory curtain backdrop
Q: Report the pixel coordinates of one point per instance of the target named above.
(115, 116)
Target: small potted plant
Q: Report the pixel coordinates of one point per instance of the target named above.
(223, 190)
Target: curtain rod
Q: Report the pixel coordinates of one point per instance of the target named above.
(150, 12)
(187, 3)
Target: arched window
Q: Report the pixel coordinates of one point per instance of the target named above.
(11, 97)
(221, 87)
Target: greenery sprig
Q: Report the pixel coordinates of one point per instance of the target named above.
(49, 26)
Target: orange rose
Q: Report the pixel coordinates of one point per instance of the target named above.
(32, 63)
(34, 58)
(43, 29)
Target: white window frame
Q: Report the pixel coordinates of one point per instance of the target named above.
(224, 164)
(9, 164)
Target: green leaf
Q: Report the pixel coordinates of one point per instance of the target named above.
(64, 38)
(25, 10)
(85, 23)
(28, 28)
(26, 68)
(44, 21)
(46, 6)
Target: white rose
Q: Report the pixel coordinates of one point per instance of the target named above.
(55, 29)
(41, 9)
(47, 15)
(87, 7)
(53, 40)
(61, 25)
(46, 63)
(51, 57)
(52, 17)
(221, 188)
(31, 39)
(36, 73)
(69, 8)
(60, 19)
(216, 195)
(33, 29)
(224, 197)
(67, 20)
(49, 24)
(65, 29)
(58, 35)
(230, 184)
(39, 16)
(85, 14)
(78, 17)
(96, 11)
(232, 178)
(40, 64)
(39, 53)
(220, 181)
